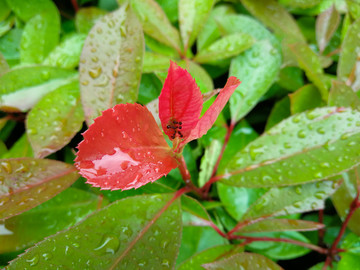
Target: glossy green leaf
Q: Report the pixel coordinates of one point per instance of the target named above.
(40, 36)
(59, 213)
(342, 95)
(36, 81)
(170, 8)
(226, 47)
(257, 69)
(155, 23)
(351, 243)
(55, 120)
(300, 3)
(111, 62)
(310, 63)
(306, 98)
(155, 62)
(326, 25)
(4, 10)
(194, 213)
(149, 90)
(6, 25)
(192, 16)
(10, 46)
(208, 161)
(29, 9)
(344, 196)
(160, 48)
(248, 261)
(21, 148)
(67, 53)
(127, 234)
(4, 67)
(279, 112)
(86, 18)
(279, 225)
(294, 199)
(285, 154)
(207, 256)
(349, 261)
(348, 70)
(23, 179)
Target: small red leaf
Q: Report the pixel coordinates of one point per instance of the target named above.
(210, 116)
(180, 101)
(124, 149)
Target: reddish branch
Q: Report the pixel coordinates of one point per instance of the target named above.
(75, 5)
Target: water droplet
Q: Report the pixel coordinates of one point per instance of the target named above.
(95, 72)
(47, 256)
(255, 151)
(34, 260)
(298, 190)
(301, 134)
(6, 166)
(165, 263)
(109, 244)
(325, 165)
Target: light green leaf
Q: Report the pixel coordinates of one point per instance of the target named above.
(6, 25)
(257, 69)
(86, 18)
(208, 161)
(55, 120)
(67, 53)
(306, 98)
(349, 261)
(192, 16)
(226, 47)
(21, 148)
(10, 46)
(111, 62)
(300, 3)
(326, 25)
(26, 10)
(155, 62)
(342, 95)
(128, 233)
(23, 179)
(36, 81)
(351, 243)
(309, 146)
(4, 67)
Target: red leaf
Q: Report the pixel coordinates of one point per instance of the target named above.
(124, 149)
(210, 116)
(180, 101)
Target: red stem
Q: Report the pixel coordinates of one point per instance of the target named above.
(75, 5)
(321, 232)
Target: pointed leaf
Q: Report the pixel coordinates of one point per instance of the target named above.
(128, 233)
(180, 101)
(326, 25)
(342, 95)
(306, 98)
(59, 213)
(226, 47)
(285, 154)
(248, 261)
(192, 15)
(210, 116)
(36, 81)
(155, 23)
(208, 161)
(124, 149)
(23, 179)
(111, 62)
(55, 120)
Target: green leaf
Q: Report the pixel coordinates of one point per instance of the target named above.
(170, 8)
(127, 234)
(279, 225)
(6, 25)
(208, 161)
(4, 67)
(285, 154)
(344, 196)
(354, 8)
(306, 98)
(40, 36)
(67, 53)
(291, 200)
(342, 95)
(10, 46)
(155, 62)
(149, 90)
(326, 25)
(243, 261)
(21, 148)
(36, 81)
(59, 213)
(55, 120)
(155, 23)
(4, 10)
(192, 16)
(291, 78)
(279, 112)
(3, 148)
(23, 179)
(351, 243)
(29, 9)
(300, 3)
(86, 18)
(111, 62)
(257, 68)
(194, 212)
(347, 69)
(157, 47)
(310, 63)
(349, 261)
(226, 47)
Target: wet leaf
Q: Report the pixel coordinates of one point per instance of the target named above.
(285, 154)
(29, 9)
(4, 10)
(226, 47)
(257, 68)
(248, 261)
(111, 62)
(194, 213)
(279, 112)
(113, 243)
(86, 18)
(67, 53)
(4, 67)
(10, 46)
(306, 98)
(342, 95)
(21, 148)
(6, 25)
(208, 161)
(27, 182)
(36, 81)
(155, 62)
(55, 120)
(124, 149)
(326, 25)
(59, 213)
(351, 243)
(155, 23)
(192, 16)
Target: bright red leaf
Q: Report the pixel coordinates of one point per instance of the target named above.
(123, 149)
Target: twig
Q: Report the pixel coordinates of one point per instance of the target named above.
(75, 5)
(321, 231)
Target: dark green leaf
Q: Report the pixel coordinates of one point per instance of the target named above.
(351, 243)
(23, 179)
(128, 234)
(306, 98)
(326, 25)
(170, 8)
(4, 10)
(291, 78)
(55, 120)
(342, 95)
(87, 17)
(21, 148)
(279, 112)
(149, 90)
(29, 9)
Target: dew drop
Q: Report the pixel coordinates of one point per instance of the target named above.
(6, 166)
(109, 244)
(301, 134)
(33, 261)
